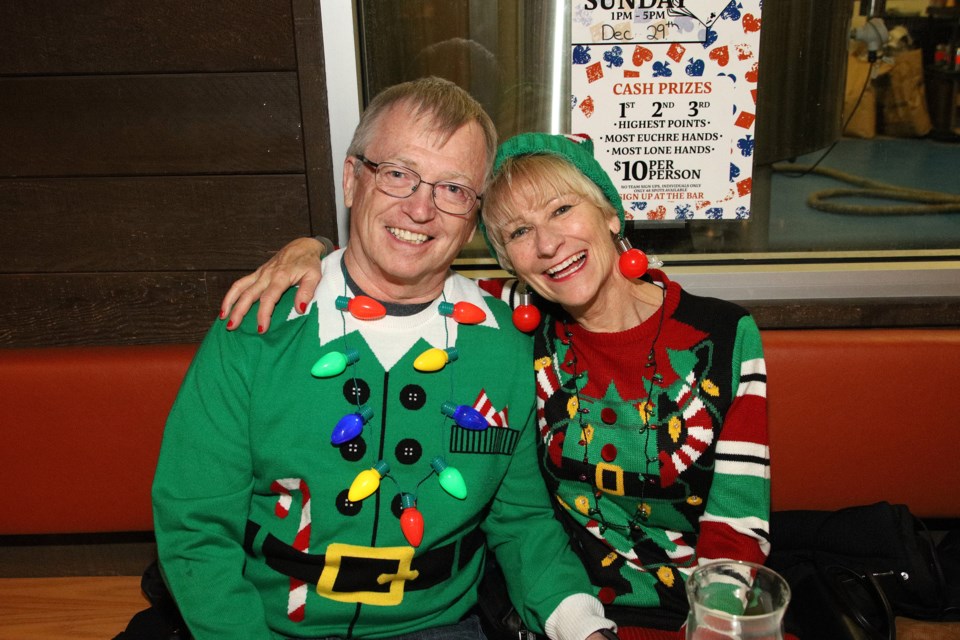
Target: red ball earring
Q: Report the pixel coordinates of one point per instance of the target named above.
(526, 316)
(633, 262)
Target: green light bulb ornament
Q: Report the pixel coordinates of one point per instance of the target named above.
(450, 479)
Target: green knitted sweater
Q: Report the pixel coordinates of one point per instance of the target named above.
(256, 533)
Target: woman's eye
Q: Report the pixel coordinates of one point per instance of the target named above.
(563, 209)
(517, 233)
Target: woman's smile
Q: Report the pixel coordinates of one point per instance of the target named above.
(568, 267)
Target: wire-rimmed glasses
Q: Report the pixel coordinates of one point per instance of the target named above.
(400, 182)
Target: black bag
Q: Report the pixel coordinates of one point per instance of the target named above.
(499, 619)
(852, 571)
(162, 621)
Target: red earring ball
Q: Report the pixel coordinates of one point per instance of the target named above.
(526, 316)
(633, 262)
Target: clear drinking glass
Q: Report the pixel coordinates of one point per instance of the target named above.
(735, 600)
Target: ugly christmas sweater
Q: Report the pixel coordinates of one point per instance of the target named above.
(257, 532)
(654, 444)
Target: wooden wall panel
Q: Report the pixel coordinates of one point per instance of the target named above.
(137, 125)
(114, 308)
(132, 36)
(150, 154)
(147, 224)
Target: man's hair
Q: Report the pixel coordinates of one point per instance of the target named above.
(444, 105)
(542, 176)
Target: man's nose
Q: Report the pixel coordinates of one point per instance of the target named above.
(419, 205)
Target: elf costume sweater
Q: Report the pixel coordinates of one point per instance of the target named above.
(257, 535)
(654, 444)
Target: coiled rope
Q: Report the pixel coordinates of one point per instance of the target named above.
(925, 202)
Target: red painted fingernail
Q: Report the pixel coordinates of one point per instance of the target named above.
(259, 328)
(223, 314)
(303, 307)
(230, 325)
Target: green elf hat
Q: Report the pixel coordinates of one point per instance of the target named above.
(576, 148)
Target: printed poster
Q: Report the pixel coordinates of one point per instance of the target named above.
(667, 90)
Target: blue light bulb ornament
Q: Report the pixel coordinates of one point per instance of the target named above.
(435, 359)
(465, 416)
(367, 481)
(450, 478)
(333, 363)
(351, 425)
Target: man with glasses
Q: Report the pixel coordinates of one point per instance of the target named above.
(342, 475)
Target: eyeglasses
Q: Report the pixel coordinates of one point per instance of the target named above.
(400, 182)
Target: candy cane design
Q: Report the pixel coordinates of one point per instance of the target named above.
(297, 601)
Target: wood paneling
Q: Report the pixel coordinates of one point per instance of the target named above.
(148, 224)
(150, 154)
(110, 308)
(133, 36)
(137, 125)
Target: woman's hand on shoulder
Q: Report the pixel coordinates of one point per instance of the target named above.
(298, 263)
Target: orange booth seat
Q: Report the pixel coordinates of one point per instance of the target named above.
(856, 416)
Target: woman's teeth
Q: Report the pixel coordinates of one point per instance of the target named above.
(408, 236)
(558, 270)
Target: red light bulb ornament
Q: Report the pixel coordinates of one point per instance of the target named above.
(450, 478)
(361, 307)
(351, 425)
(526, 317)
(411, 520)
(465, 416)
(435, 359)
(463, 312)
(367, 481)
(333, 363)
(633, 262)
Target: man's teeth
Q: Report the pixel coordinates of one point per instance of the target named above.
(552, 271)
(408, 236)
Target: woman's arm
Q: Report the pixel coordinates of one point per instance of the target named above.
(298, 263)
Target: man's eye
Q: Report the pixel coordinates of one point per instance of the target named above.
(452, 189)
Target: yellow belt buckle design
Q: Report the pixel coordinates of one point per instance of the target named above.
(337, 553)
(603, 469)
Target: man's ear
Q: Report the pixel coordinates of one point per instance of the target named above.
(349, 180)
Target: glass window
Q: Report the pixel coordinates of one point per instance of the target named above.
(513, 56)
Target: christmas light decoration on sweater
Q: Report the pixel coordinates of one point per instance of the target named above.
(435, 359)
(334, 363)
(463, 312)
(367, 481)
(465, 416)
(411, 520)
(361, 307)
(450, 478)
(351, 425)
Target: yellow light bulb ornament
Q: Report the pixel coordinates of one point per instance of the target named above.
(450, 478)
(367, 481)
(435, 359)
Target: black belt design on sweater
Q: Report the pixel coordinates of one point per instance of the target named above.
(371, 575)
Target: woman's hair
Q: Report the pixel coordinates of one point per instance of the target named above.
(541, 176)
(444, 105)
